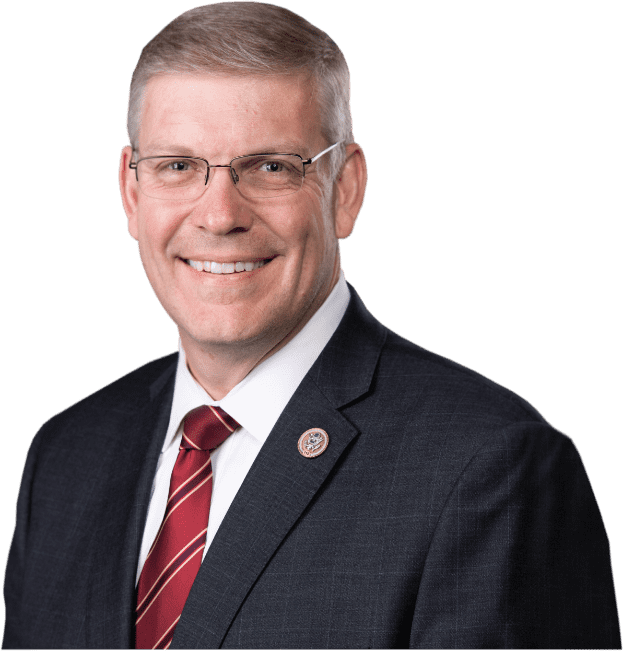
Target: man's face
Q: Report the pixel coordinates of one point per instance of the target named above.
(218, 118)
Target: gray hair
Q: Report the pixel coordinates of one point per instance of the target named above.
(250, 38)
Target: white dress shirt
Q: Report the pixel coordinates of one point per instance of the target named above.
(256, 403)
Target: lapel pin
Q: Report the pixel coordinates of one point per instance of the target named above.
(313, 442)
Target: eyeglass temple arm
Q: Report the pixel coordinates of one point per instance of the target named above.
(309, 161)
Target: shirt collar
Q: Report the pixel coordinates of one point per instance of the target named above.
(258, 400)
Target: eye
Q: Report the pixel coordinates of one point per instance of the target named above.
(272, 166)
(179, 166)
(172, 166)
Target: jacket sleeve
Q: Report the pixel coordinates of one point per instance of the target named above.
(14, 627)
(520, 557)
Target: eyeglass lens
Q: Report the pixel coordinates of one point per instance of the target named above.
(255, 176)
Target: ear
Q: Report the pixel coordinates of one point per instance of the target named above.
(350, 187)
(129, 190)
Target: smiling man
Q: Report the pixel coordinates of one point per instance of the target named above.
(296, 476)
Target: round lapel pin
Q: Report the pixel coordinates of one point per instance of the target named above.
(313, 442)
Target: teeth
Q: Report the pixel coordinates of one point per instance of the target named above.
(225, 267)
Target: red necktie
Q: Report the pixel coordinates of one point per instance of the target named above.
(175, 557)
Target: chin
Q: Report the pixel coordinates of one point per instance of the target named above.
(235, 334)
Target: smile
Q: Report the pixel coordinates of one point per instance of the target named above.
(226, 267)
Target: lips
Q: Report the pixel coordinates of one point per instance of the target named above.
(241, 266)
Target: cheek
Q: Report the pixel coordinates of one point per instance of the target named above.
(309, 222)
(323, 232)
(318, 249)
(156, 227)
(310, 239)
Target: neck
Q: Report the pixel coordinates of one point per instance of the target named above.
(218, 369)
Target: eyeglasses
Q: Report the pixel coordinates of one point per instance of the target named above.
(256, 176)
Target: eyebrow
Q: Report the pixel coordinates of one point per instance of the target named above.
(164, 149)
(167, 149)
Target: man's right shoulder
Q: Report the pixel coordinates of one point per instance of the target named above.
(120, 399)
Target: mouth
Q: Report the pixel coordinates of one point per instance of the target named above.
(210, 267)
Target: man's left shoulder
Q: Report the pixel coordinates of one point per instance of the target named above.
(426, 401)
(415, 376)
(368, 362)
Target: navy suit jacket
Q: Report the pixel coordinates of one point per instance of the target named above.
(445, 512)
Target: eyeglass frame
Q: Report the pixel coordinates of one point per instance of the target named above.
(133, 165)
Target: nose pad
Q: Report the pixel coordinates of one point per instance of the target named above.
(234, 176)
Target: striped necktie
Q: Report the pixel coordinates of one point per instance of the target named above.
(174, 559)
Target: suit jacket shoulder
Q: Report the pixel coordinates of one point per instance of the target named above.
(415, 390)
(123, 397)
(83, 499)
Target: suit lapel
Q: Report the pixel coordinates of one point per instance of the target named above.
(281, 482)
(131, 462)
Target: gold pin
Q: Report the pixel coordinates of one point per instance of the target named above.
(313, 442)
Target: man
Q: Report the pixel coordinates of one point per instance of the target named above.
(361, 492)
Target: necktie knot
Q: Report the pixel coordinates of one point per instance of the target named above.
(206, 427)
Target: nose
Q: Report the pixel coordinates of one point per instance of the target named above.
(221, 209)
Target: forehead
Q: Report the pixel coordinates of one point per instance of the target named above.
(225, 115)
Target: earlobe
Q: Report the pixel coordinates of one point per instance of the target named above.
(351, 187)
(129, 190)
